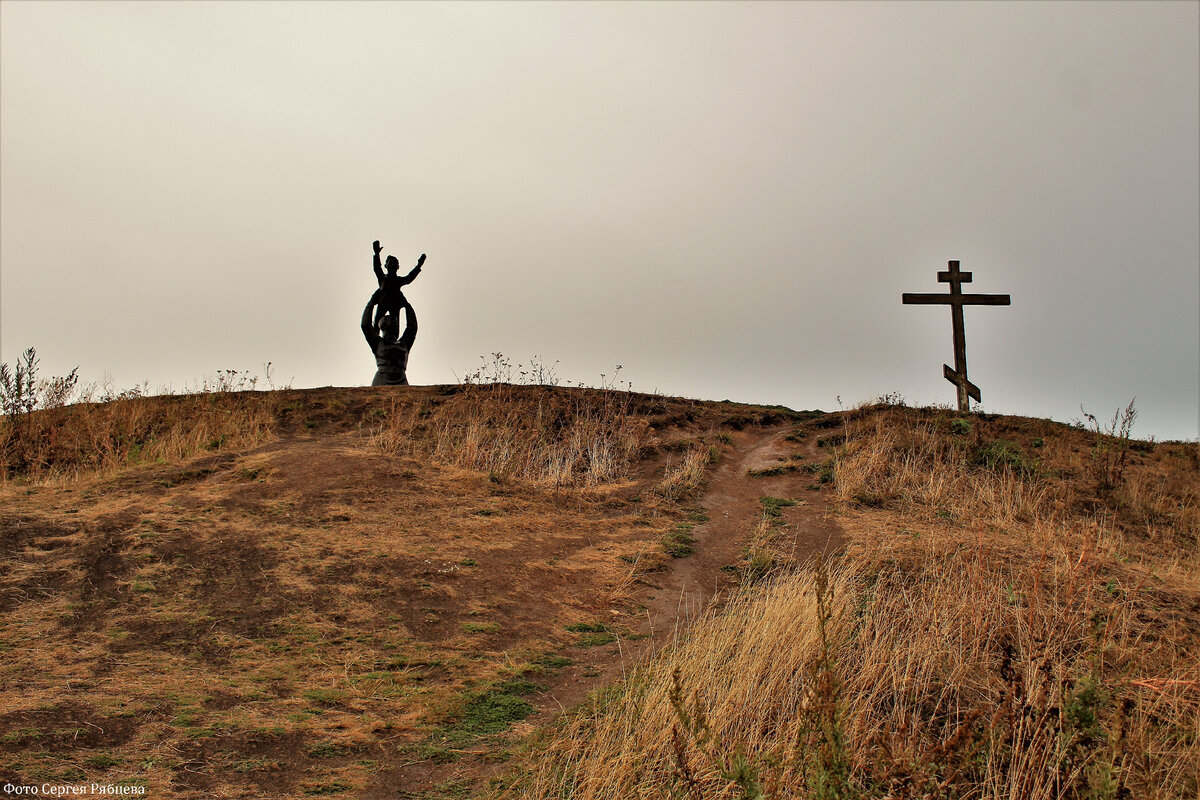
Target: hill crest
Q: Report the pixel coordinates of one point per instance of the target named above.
(358, 590)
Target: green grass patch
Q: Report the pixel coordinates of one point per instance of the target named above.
(23, 735)
(325, 696)
(1000, 455)
(773, 506)
(552, 661)
(494, 709)
(325, 749)
(758, 563)
(596, 639)
(592, 635)
(823, 471)
(678, 543)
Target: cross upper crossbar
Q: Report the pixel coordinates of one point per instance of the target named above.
(931, 299)
(956, 300)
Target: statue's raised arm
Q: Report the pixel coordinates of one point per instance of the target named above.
(368, 327)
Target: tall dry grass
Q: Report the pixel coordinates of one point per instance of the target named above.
(892, 459)
(50, 427)
(1009, 651)
(685, 474)
(915, 463)
(541, 435)
(952, 673)
(87, 437)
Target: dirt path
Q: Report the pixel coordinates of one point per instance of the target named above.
(732, 500)
(671, 600)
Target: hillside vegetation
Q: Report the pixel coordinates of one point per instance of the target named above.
(279, 594)
(396, 592)
(1017, 615)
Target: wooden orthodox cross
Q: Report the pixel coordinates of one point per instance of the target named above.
(956, 300)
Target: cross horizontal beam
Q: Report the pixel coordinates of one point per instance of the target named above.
(921, 299)
(961, 381)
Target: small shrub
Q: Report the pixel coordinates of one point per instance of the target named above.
(21, 394)
(1111, 451)
(999, 455)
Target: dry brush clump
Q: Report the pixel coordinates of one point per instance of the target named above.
(685, 474)
(1008, 647)
(542, 435)
(893, 459)
(1007, 473)
(52, 428)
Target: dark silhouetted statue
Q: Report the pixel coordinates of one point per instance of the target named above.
(381, 322)
(391, 298)
(391, 348)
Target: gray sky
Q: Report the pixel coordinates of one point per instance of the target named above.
(726, 199)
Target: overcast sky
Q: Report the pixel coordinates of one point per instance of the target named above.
(726, 199)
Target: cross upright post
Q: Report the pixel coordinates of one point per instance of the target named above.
(956, 300)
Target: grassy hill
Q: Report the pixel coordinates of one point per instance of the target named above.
(524, 591)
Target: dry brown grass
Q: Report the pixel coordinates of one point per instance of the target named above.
(288, 617)
(917, 465)
(685, 474)
(287, 611)
(996, 630)
(540, 435)
(1022, 476)
(68, 441)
